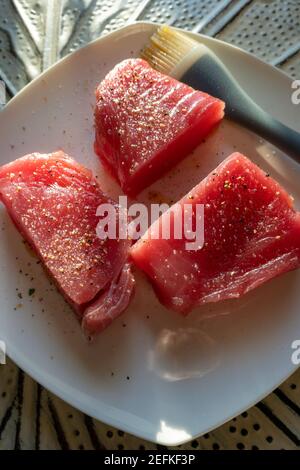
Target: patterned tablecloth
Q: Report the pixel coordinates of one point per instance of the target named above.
(33, 35)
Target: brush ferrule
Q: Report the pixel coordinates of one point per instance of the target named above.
(188, 60)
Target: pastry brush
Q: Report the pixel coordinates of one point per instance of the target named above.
(176, 54)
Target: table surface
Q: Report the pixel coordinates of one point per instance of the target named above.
(30, 416)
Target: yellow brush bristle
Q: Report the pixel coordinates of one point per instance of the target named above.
(166, 49)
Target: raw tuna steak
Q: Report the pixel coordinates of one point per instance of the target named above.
(146, 122)
(251, 234)
(53, 202)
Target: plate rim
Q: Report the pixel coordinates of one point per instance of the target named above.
(145, 24)
(36, 373)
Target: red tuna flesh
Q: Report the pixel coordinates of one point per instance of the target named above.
(251, 234)
(146, 122)
(53, 201)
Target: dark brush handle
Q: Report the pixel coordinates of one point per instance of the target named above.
(210, 75)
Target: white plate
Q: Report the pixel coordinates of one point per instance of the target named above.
(162, 377)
